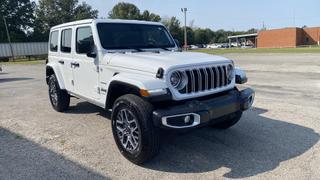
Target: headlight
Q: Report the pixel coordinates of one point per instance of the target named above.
(178, 80)
(230, 72)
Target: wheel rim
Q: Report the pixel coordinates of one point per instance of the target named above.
(128, 130)
(53, 93)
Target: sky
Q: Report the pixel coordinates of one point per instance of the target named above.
(228, 14)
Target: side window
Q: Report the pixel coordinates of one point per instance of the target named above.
(66, 40)
(84, 40)
(54, 41)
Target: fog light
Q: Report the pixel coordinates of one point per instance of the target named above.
(187, 119)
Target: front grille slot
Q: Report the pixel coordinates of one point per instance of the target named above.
(204, 79)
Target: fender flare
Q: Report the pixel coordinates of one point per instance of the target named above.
(130, 83)
(139, 81)
(56, 71)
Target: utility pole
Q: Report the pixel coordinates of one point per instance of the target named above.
(8, 36)
(184, 10)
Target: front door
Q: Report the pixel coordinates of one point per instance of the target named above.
(85, 69)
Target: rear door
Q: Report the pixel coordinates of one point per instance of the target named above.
(85, 69)
(66, 57)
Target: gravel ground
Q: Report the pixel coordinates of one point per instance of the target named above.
(277, 139)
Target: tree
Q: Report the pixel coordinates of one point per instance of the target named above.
(84, 11)
(53, 12)
(190, 36)
(130, 11)
(252, 30)
(125, 11)
(147, 16)
(173, 25)
(203, 36)
(19, 17)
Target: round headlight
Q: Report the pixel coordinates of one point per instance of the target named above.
(178, 80)
(175, 79)
(230, 72)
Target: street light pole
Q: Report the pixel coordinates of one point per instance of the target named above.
(8, 36)
(184, 10)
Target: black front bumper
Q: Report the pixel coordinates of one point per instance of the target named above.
(207, 111)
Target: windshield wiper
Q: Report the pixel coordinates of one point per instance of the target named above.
(134, 48)
(164, 48)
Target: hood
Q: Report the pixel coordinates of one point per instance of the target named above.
(151, 62)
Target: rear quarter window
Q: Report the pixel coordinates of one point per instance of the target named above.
(54, 41)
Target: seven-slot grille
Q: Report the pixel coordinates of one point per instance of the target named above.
(205, 78)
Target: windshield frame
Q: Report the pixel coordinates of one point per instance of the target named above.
(168, 34)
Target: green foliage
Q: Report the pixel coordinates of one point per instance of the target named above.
(19, 17)
(147, 16)
(125, 11)
(53, 12)
(203, 36)
(173, 25)
(30, 22)
(130, 11)
(195, 36)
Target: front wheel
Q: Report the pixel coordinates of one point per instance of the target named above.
(229, 122)
(133, 130)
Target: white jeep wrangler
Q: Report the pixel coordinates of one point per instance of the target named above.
(136, 69)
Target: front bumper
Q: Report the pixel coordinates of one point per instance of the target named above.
(201, 112)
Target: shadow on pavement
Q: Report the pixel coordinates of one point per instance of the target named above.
(13, 79)
(86, 108)
(24, 159)
(256, 145)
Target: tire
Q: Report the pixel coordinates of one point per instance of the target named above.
(144, 143)
(60, 99)
(229, 122)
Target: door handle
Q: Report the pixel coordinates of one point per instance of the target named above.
(61, 62)
(75, 64)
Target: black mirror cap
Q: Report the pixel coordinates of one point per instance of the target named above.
(241, 80)
(92, 54)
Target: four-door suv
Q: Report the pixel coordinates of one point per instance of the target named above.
(135, 69)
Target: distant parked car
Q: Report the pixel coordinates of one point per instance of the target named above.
(213, 46)
(194, 47)
(247, 46)
(200, 45)
(225, 46)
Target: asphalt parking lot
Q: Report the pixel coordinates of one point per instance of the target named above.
(277, 139)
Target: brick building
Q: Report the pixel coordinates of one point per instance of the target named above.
(288, 37)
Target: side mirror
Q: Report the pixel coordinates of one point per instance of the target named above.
(92, 54)
(92, 51)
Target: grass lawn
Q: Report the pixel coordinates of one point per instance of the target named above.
(261, 50)
(24, 62)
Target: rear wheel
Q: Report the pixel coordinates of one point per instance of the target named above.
(133, 130)
(229, 122)
(60, 99)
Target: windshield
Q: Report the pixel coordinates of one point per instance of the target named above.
(133, 36)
